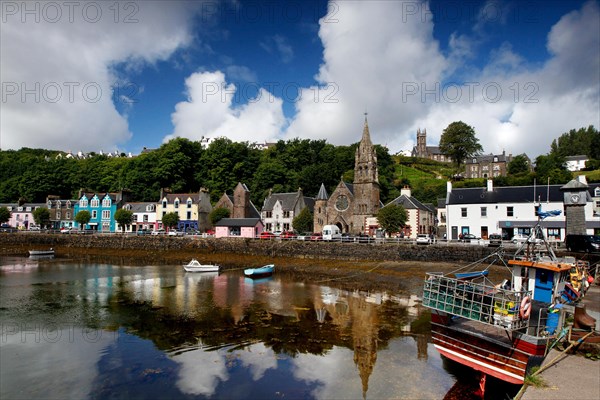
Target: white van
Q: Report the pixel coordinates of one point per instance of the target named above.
(332, 232)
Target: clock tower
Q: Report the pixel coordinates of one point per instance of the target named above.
(575, 199)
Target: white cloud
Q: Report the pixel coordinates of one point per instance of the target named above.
(211, 110)
(392, 71)
(57, 67)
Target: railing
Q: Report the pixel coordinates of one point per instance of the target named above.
(474, 301)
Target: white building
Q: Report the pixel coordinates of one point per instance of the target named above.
(576, 163)
(511, 210)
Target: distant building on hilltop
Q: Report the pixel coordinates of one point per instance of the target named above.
(487, 166)
(431, 152)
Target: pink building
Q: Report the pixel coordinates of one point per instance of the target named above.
(238, 227)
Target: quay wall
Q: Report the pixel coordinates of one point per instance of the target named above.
(13, 243)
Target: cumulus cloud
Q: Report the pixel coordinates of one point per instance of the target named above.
(384, 60)
(216, 108)
(58, 64)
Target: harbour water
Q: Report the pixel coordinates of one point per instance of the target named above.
(85, 330)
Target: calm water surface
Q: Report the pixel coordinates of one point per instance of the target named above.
(72, 330)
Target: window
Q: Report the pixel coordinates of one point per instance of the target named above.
(106, 202)
(509, 211)
(189, 203)
(145, 218)
(485, 168)
(68, 215)
(286, 227)
(58, 215)
(94, 214)
(269, 214)
(474, 161)
(164, 203)
(176, 203)
(95, 202)
(463, 212)
(68, 204)
(484, 211)
(268, 227)
(495, 158)
(83, 202)
(554, 233)
(597, 192)
(286, 214)
(189, 215)
(105, 214)
(49, 205)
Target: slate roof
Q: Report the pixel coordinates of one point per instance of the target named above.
(487, 158)
(322, 193)
(509, 194)
(241, 222)
(288, 201)
(409, 203)
(141, 207)
(181, 196)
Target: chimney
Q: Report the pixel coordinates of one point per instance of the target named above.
(449, 187)
(490, 185)
(405, 191)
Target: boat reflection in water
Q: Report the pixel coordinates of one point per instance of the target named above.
(160, 332)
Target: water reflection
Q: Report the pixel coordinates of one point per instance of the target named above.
(160, 332)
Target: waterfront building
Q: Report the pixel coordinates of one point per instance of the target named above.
(144, 216)
(102, 208)
(193, 209)
(21, 214)
(239, 205)
(280, 209)
(512, 210)
(420, 217)
(62, 212)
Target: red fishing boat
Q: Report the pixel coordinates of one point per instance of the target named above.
(504, 329)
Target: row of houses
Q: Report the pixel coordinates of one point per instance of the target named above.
(479, 211)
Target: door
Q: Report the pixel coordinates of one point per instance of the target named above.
(454, 232)
(543, 285)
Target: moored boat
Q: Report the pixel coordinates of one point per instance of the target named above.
(504, 329)
(37, 253)
(196, 266)
(261, 272)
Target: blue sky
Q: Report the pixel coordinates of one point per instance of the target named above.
(126, 75)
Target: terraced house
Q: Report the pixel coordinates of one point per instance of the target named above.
(102, 208)
(193, 209)
(280, 209)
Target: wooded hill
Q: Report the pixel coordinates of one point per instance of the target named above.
(184, 166)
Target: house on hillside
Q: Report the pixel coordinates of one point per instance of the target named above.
(280, 209)
(431, 152)
(576, 163)
(487, 166)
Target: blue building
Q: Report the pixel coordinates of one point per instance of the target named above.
(102, 208)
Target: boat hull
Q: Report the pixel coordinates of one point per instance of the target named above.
(506, 356)
(261, 272)
(41, 252)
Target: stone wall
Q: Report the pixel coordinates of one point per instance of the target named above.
(316, 250)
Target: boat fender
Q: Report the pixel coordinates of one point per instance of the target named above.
(525, 309)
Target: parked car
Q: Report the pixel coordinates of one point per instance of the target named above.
(495, 240)
(316, 236)
(522, 238)
(288, 235)
(175, 233)
(65, 230)
(346, 237)
(469, 237)
(276, 233)
(423, 239)
(142, 232)
(586, 243)
(266, 235)
(158, 232)
(304, 236)
(363, 238)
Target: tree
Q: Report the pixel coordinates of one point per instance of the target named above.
(123, 217)
(82, 218)
(519, 164)
(218, 214)
(459, 142)
(170, 220)
(41, 216)
(4, 215)
(392, 217)
(303, 222)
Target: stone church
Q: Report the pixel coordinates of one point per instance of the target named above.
(351, 204)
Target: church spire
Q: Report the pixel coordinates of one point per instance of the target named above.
(366, 136)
